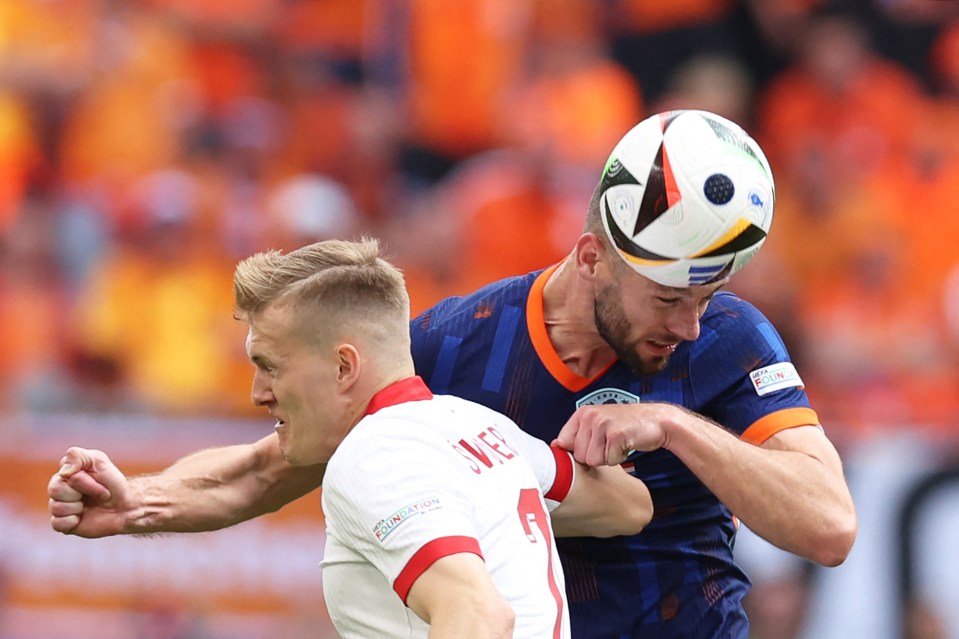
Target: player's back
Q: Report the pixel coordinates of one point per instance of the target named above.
(419, 480)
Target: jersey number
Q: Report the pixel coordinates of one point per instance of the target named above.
(532, 513)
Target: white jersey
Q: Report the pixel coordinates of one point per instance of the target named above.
(421, 477)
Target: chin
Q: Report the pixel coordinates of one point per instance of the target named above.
(290, 456)
(642, 364)
(655, 365)
(294, 459)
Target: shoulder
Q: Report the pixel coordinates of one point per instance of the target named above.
(378, 442)
(456, 313)
(460, 331)
(735, 339)
(731, 318)
(736, 347)
(731, 312)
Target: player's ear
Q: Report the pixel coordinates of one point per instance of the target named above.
(588, 254)
(348, 365)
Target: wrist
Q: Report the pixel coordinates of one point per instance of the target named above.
(141, 513)
(676, 426)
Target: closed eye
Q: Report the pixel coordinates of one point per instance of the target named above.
(262, 365)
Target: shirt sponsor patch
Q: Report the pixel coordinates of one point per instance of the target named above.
(386, 526)
(774, 378)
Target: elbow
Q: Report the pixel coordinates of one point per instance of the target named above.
(640, 519)
(833, 555)
(643, 514)
(507, 620)
(631, 522)
(835, 542)
(498, 619)
(640, 513)
(490, 612)
(637, 513)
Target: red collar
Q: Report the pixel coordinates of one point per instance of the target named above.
(410, 389)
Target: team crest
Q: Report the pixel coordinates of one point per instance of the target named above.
(607, 396)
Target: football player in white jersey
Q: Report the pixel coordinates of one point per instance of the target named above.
(437, 509)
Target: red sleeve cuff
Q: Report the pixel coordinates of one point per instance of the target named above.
(564, 475)
(427, 556)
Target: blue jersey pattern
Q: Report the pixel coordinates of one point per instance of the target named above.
(677, 578)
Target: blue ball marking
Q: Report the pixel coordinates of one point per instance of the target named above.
(719, 189)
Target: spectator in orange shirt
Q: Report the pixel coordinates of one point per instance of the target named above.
(839, 98)
(155, 307)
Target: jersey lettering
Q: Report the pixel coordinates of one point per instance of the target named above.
(487, 451)
(471, 460)
(502, 442)
(534, 518)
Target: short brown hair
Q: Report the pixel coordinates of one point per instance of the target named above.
(594, 223)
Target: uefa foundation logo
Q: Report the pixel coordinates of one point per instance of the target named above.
(384, 527)
(774, 378)
(607, 396)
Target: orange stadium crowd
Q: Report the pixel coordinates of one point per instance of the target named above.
(147, 145)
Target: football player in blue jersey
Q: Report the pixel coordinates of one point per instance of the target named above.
(692, 390)
(687, 386)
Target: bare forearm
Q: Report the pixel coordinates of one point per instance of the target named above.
(604, 501)
(795, 500)
(216, 488)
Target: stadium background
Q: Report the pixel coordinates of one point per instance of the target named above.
(146, 145)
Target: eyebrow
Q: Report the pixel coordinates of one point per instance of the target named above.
(260, 360)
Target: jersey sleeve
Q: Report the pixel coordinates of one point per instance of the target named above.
(553, 467)
(742, 374)
(398, 504)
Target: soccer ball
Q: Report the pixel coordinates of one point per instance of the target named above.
(687, 198)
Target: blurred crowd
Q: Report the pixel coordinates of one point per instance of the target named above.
(147, 145)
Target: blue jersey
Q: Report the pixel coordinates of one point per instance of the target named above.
(677, 578)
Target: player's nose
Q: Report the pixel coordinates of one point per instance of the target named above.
(684, 323)
(262, 393)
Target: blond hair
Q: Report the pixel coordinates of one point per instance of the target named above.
(334, 282)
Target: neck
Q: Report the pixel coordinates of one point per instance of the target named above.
(373, 384)
(569, 312)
